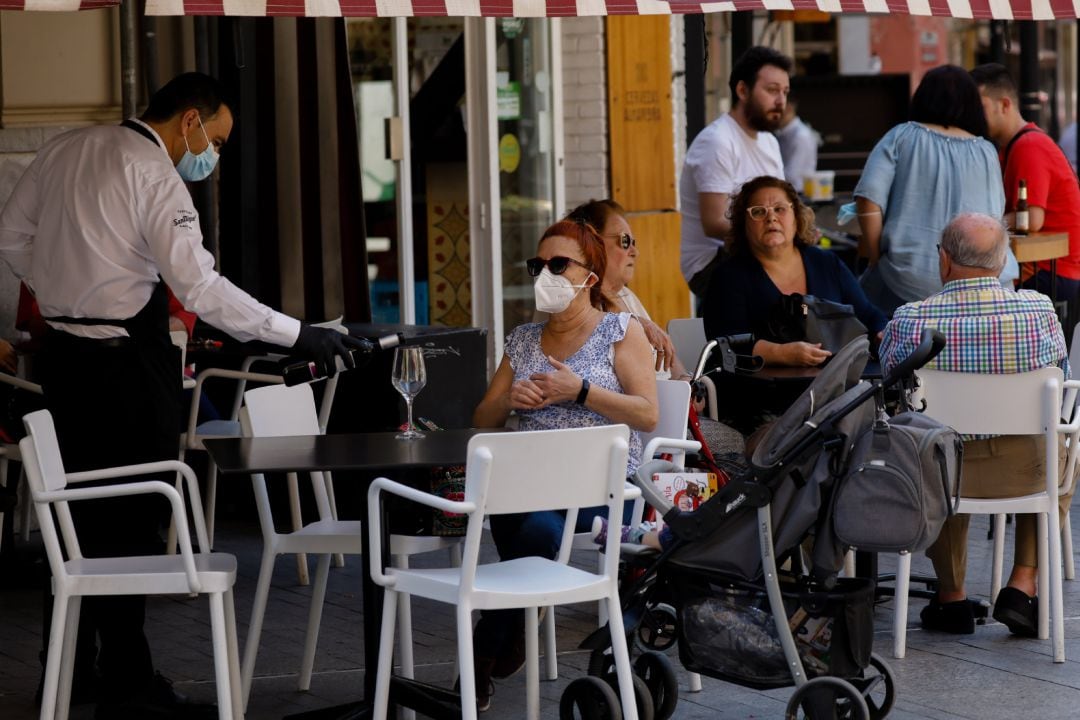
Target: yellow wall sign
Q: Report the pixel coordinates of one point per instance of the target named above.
(509, 153)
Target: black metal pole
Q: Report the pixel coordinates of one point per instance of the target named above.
(203, 192)
(148, 30)
(997, 41)
(742, 34)
(695, 62)
(128, 11)
(1029, 70)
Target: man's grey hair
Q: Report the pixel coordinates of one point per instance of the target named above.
(959, 241)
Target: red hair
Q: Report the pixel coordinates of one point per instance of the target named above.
(592, 251)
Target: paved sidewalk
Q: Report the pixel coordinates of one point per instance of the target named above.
(987, 676)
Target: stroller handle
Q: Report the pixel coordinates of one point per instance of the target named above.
(729, 345)
(931, 343)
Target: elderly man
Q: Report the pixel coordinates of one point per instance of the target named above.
(989, 329)
(736, 147)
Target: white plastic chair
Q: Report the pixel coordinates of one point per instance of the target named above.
(9, 452)
(1018, 404)
(688, 337)
(669, 436)
(515, 473)
(274, 411)
(211, 573)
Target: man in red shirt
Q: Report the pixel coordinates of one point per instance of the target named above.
(1028, 153)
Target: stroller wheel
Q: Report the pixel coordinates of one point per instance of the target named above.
(878, 687)
(656, 670)
(589, 698)
(658, 629)
(642, 695)
(827, 698)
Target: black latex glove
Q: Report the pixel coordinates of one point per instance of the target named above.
(322, 345)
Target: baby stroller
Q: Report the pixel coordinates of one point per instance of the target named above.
(741, 619)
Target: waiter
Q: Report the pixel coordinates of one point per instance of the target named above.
(96, 226)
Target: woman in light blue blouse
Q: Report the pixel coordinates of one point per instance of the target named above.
(921, 175)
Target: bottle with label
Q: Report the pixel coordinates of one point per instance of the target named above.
(1021, 223)
(296, 372)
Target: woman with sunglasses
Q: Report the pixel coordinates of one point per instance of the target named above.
(584, 366)
(771, 253)
(622, 254)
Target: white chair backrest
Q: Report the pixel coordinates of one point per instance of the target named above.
(40, 453)
(179, 339)
(673, 399)
(515, 472)
(975, 404)
(52, 476)
(688, 336)
(278, 410)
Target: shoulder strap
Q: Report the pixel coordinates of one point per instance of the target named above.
(132, 125)
(1012, 142)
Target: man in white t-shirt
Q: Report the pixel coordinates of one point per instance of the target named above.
(736, 147)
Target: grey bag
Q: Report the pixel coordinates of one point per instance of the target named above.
(901, 477)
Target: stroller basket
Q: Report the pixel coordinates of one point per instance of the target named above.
(728, 631)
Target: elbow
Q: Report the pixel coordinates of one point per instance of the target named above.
(649, 419)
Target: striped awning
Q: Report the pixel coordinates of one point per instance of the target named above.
(56, 5)
(978, 9)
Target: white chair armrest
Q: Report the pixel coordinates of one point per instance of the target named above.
(374, 520)
(162, 466)
(143, 488)
(21, 384)
(660, 444)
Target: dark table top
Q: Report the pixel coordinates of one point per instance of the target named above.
(347, 451)
(782, 374)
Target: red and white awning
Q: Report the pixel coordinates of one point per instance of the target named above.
(56, 5)
(979, 9)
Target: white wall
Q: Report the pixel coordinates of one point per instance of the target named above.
(585, 112)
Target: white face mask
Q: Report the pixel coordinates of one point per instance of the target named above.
(554, 293)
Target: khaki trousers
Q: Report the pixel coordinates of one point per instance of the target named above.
(1005, 466)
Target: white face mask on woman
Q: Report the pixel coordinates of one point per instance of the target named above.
(554, 293)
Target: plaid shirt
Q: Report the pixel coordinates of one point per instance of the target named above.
(987, 329)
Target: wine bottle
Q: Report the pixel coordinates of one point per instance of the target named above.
(296, 373)
(1022, 221)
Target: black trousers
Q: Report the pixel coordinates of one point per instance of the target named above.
(113, 405)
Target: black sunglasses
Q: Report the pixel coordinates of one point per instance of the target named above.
(625, 240)
(557, 265)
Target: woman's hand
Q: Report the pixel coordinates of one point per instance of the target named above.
(665, 350)
(804, 354)
(526, 395)
(560, 386)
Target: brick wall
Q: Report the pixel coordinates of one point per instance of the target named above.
(585, 126)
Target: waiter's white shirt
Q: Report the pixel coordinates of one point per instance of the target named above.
(97, 216)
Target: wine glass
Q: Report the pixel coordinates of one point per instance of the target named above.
(409, 378)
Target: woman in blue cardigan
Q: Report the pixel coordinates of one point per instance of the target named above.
(771, 254)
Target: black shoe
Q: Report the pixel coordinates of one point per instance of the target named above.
(511, 660)
(1017, 610)
(158, 702)
(955, 618)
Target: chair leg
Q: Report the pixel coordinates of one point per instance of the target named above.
(621, 654)
(405, 640)
(694, 682)
(551, 660)
(339, 558)
(311, 639)
(234, 656)
(54, 659)
(219, 637)
(67, 658)
(386, 656)
(258, 611)
(532, 662)
(1057, 618)
(849, 564)
(999, 556)
(465, 662)
(900, 605)
(1067, 549)
(1043, 578)
(297, 524)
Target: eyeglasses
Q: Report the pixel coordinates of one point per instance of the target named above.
(760, 212)
(557, 265)
(626, 240)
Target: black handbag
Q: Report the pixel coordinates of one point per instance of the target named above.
(814, 320)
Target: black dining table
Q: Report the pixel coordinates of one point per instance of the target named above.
(369, 454)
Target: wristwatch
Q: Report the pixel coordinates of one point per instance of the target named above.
(584, 392)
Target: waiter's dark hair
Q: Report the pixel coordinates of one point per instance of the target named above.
(948, 96)
(995, 80)
(189, 90)
(750, 62)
